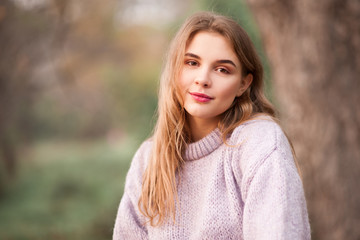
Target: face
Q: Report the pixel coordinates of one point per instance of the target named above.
(210, 78)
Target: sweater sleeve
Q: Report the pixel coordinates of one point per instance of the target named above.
(274, 201)
(129, 223)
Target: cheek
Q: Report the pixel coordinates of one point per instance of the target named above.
(183, 82)
(181, 88)
(183, 78)
(230, 92)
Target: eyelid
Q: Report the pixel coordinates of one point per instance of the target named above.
(187, 61)
(228, 71)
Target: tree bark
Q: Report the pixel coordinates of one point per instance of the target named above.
(313, 48)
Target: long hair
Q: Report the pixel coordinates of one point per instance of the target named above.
(171, 134)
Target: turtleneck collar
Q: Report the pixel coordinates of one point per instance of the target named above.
(204, 146)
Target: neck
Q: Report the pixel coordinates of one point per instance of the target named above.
(199, 128)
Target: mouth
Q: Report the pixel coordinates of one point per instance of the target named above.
(200, 97)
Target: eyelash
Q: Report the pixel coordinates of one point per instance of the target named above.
(222, 70)
(193, 63)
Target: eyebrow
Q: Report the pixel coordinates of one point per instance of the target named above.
(218, 61)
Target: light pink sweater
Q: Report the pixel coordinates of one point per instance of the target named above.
(248, 191)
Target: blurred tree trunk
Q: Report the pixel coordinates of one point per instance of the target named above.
(23, 35)
(7, 86)
(313, 47)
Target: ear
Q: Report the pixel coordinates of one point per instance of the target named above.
(245, 84)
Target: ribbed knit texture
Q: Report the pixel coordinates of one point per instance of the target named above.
(250, 190)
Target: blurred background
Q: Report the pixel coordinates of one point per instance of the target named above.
(78, 86)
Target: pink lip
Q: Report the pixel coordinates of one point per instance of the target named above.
(200, 97)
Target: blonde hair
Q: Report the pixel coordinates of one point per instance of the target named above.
(171, 134)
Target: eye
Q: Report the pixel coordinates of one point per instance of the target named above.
(222, 70)
(191, 63)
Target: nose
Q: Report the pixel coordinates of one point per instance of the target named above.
(203, 78)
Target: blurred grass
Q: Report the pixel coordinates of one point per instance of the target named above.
(66, 190)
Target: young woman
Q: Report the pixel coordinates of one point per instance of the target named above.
(218, 165)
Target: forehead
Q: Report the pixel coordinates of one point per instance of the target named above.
(211, 44)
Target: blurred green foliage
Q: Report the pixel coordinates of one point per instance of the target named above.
(66, 190)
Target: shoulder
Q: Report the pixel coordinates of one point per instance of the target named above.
(138, 166)
(142, 155)
(257, 139)
(261, 132)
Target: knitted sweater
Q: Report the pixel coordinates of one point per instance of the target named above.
(250, 190)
